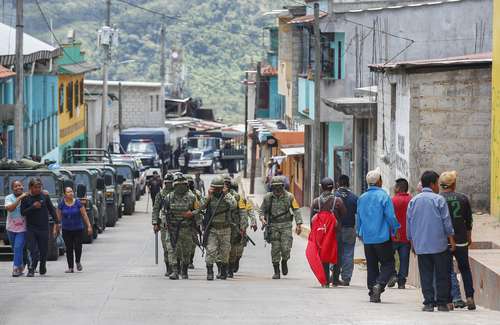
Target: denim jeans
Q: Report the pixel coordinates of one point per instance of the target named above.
(17, 240)
(462, 256)
(348, 243)
(435, 268)
(403, 250)
(456, 295)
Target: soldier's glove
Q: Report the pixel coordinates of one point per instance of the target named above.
(254, 227)
(298, 229)
(156, 228)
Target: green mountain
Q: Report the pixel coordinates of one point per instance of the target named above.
(220, 39)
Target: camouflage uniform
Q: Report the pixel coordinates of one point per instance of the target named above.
(181, 229)
(279, 210)
(201, 200)
(156, 218)
(218, 243)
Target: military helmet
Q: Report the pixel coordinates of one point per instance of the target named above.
(217, 182)
(179, 179)
(277, 181)
(189, 177)
(169, 177)
(327, 183)
(227, 178)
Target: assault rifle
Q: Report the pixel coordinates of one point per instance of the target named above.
(207, 222)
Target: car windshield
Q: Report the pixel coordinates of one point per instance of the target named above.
(141, 147)
(82, 178)
(126, 172)
(49, 183)
(202, 143)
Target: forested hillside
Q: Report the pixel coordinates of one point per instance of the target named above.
(220, 39)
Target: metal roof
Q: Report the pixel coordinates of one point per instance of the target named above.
(306, 19)
(470, 59)
(77, 68)
(33, 48)
(6, 73)
(88, 82)
(395, 7)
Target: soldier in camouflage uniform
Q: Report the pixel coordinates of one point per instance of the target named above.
(201, 199)
(156, 218)
(217, 231)
(278, 210)
(239, 241)
(181, 218)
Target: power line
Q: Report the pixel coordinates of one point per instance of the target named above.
(47, 22)
(178, 18)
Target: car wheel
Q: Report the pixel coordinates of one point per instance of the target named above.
(110, 216)
(128, 209)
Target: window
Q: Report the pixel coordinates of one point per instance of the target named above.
(69, 95)
(77, 93)
(157, 103)
(332, 55)
(151, 103)
(61, 99)
(264, 93)
(81, 92)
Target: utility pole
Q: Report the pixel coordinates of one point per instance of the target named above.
(104, 136)
(254, 136)
(162, 68)
(120, 107)
(316, 134)
(19, 113)
(245, 141)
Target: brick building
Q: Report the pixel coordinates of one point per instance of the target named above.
(436, 114)
(141, 106)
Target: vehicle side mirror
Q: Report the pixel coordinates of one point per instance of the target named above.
(100, 184)
(108, 180)
(137, 174)
(68, 183)
(120, 179)
(81, 191)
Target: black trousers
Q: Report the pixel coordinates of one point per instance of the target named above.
(73, 242)
(38, 245)
(435, 265)
(380, 263)
(462, 256)
(153, 197)
(337, 268)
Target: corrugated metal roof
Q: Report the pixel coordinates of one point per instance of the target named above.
(306, 19)
(77, 68)
(393, 7)
(470, 59)
(124, 83)
(33, 48)
(6, 73)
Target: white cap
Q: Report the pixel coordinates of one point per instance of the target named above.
(373, 176)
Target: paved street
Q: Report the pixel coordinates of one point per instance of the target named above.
(122, 285)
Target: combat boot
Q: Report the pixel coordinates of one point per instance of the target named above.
(168, 269)
(210, 272)
(175, 273)
(184, 272)
(276, 271)
(284, 267)
(230, 271)
(223, 271)
(219, 268)
(236, 265)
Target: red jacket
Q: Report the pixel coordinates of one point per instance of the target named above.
(400, 202)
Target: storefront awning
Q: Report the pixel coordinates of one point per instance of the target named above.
(77, 68)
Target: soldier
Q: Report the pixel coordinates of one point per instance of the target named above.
(201, 199)
(156, 218)
(246, 216)
(217, 230)
(181, 217)
(278, 210)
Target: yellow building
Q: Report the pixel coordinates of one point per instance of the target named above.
(71, 105)
(495, 117)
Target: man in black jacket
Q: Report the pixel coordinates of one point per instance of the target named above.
(36, 207)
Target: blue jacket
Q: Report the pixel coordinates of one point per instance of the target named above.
(376, 217)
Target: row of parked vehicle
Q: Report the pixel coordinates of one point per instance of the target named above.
(112, 185)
